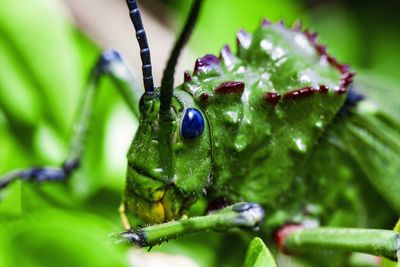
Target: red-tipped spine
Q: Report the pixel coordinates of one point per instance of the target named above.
(265, 23)
(300, 93)
(206, 63)
(347, 76)
(230, 87)
(272, 98)
(187, 77)
(204, 97)
(323, 89)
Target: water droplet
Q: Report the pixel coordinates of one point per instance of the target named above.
(266, 45)
(277, 53)
(158, 170)
(231, 117)
(241, 69)
(319, 124)
(280, 113)
(305, 78)
(240, 143)
(301, 40)
(300, 145)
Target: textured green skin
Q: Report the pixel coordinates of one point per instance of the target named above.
(250, 150)
(259, 160)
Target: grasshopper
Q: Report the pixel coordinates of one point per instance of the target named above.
(268, 137)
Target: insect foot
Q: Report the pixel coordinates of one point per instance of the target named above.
(245, 215)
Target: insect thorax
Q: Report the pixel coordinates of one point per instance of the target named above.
(267, 106)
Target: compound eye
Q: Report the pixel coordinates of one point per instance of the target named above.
(192, 124)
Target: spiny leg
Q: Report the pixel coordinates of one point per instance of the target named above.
(109, 64)
(241, 215)
(291, 239)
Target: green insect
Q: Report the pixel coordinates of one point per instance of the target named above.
(275, 138)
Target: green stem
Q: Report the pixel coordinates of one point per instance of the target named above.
(384, 243)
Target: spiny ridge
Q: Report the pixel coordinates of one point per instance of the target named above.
(230, 87)
(205, 64)
(243, 39)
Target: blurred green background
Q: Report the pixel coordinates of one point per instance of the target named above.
(44, 61)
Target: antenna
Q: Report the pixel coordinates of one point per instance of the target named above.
(136, 19)
(167, 82)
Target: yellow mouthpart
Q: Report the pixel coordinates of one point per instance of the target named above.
(169, 207)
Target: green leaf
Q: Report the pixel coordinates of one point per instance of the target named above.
(249, 20)
(370, 136)
(386, 262)
(259, 255)
(54, 238)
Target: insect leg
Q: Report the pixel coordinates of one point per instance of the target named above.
(109, 64)
(384, 243)
(241, 215)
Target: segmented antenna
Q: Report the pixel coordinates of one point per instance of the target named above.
(136, 19)
(167, 82)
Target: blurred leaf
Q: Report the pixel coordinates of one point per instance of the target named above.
(10, 204)
(201, 248)
(333, 23)
(221, 20)
(54, 238)
(380, 89)
(45, 54)
(258, 255)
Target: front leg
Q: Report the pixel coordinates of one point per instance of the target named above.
(244, 215)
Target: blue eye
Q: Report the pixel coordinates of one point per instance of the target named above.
(192, 124)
